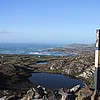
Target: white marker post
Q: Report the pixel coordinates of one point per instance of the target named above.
(97, 62)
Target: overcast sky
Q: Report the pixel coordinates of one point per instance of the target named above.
(49, 21)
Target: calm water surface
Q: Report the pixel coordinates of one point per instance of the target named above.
(54, 81)
(42, 62)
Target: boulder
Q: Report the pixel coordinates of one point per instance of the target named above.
(3, 98)
(67, 96)
(74, 89)
(40, 92)
(30, 94)
(84, 94)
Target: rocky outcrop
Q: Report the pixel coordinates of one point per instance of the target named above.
(87, 73)
(73, 65)
(84, 94)
(35, 93)
(40, 93)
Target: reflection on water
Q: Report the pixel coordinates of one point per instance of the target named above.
(42, 62)
(54, 81)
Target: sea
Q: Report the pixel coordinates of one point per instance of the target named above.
(31, 49)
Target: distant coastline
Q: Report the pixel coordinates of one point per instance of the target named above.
(42, 49)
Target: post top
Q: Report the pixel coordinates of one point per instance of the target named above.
(98, 30)
(98, 39)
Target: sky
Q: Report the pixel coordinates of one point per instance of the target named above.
(49, 21)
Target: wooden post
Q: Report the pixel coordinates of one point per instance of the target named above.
(97, 62)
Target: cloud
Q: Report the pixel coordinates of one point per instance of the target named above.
(4, 31)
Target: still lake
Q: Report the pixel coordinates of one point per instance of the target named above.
(54, 81)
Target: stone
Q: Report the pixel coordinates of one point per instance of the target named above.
(67, 96)
(12, 97)
(61, 91)
(25, 98)
(3, 98)
(84, 94)
(64, 96)
(30, 94)
(39, 92)
(74, 89)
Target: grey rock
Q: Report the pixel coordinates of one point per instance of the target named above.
(12, 97)
(3, 98)
(30, 94)
(61, 91)
(74, 89)
(64, 96)
(40, 92)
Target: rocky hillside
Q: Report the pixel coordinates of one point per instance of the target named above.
(16, 69)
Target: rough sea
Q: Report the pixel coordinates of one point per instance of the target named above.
(32, 49)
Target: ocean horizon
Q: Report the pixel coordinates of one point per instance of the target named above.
(31, 49)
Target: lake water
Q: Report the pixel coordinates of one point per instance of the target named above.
(42, 62)
(54, 81)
